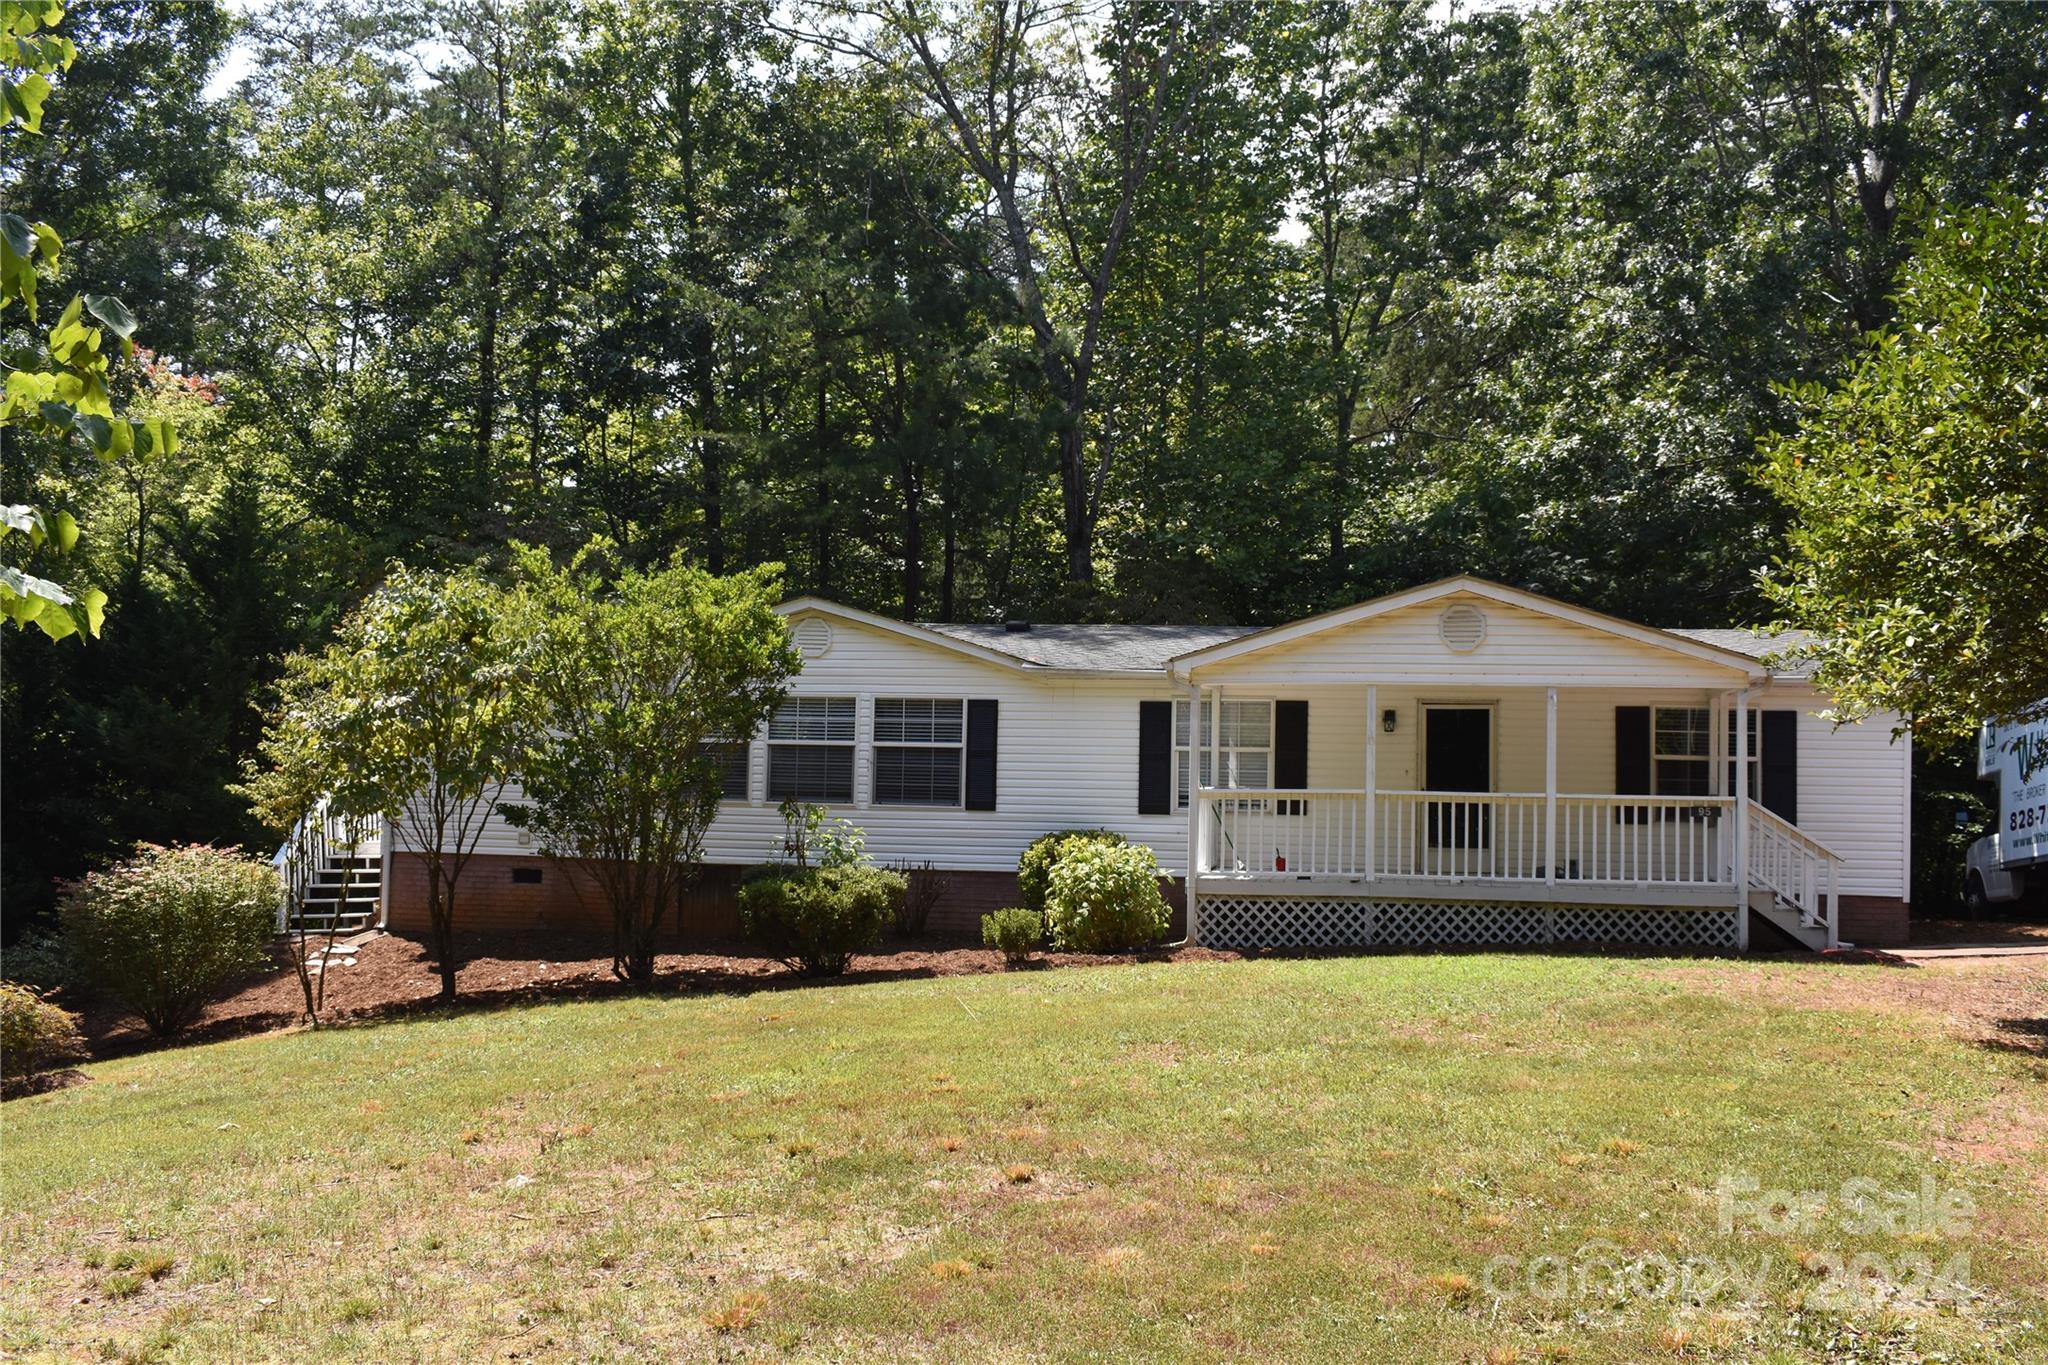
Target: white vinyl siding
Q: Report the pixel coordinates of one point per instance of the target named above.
(1069, 755)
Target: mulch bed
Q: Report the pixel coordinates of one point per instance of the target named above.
(394, 976)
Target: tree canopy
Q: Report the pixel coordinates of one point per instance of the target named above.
(1918, 488)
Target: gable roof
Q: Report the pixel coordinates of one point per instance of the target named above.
(1094, 648)
(1466, 585)
(1149, 649)
(1042, 648)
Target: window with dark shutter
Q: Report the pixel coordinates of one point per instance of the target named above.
(1631, 761)
(981, 754)
(1780, 765)
(1155, 758)
(1290, 751)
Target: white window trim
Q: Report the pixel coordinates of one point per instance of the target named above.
(853, 745)
(876, 744)
(1658, 759)
(1228, 753)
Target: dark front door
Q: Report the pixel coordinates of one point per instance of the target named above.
(1458, 757)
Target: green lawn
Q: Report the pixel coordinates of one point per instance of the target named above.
(1278, 1159)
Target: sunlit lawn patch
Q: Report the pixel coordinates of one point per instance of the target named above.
(1299, 1160)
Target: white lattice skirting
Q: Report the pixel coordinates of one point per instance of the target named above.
(1263, 922)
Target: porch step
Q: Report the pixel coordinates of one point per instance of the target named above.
(1787, 919)
(345, 896)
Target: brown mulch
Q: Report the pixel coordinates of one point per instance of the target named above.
(394, 976)
(1929, 933)
(1996, 1002)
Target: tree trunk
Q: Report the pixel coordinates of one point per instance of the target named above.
(1079, 526)
(441, 920)
(947, 500)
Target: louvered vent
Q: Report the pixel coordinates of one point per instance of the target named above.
(1462, 627)
(813, 638)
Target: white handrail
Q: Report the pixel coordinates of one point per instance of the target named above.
(1798, 869)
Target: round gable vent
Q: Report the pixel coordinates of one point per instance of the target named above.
(813, 637)
(1462, 627)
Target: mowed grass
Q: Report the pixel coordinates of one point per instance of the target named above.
(1270, 1159)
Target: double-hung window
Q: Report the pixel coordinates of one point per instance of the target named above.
(731, 758)
(1245, 735)
(918, 742)
(1681, 753)
(810, 750)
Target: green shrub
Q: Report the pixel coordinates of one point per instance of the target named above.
(815, 919)
(34, 1034)
(1104, 898)
(165, 930)
(1016, 931)
(43, 958)
(1035, 865)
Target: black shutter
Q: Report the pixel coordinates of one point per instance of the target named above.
(1155, 758)
(1290, 750)
(981, 754)
(1631, 761)
(1778, 777)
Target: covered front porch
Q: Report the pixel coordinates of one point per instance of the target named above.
(1623, 784)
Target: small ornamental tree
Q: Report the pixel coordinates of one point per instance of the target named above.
(1918, 552)
(416, 712)
(637, 680)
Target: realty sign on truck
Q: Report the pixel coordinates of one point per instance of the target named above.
(2015, 756)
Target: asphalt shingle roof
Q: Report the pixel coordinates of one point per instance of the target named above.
(1757, 645)
(1092, 647)
(1097, 648)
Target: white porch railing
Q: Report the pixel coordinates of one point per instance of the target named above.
(1652, 841)
(1798, 869)
(1469, 836)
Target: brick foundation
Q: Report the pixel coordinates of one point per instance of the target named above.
(569, 900)
(565, 899)
(1875, 921)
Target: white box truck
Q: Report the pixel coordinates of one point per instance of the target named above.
(2002, 863)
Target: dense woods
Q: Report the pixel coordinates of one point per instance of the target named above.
(1088, 310)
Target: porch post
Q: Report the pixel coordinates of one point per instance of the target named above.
(1550, 787)
(1372, 777)
(1197, 826)
(1741, 794)
(1216, 736)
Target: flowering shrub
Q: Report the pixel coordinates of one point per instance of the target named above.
(34, 1034)
(163, 931)
(1104, 898)
(1035, 865)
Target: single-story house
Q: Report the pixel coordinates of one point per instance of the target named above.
(1462, 762)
